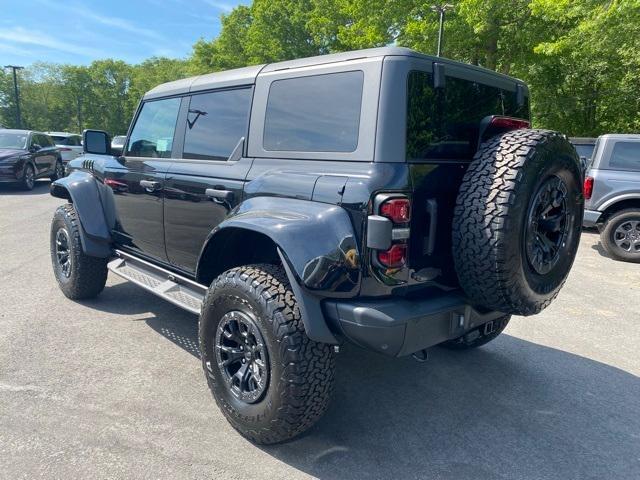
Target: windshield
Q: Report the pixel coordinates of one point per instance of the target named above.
(13, 140)
(585, 150)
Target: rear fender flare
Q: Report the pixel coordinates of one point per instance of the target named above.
(316, 244)
(83, 190)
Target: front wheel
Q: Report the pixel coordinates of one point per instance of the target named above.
(28, 177)
(269, 379)
(621, 236)
(79, 276)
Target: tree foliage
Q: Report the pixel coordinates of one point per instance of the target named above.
(581, 58)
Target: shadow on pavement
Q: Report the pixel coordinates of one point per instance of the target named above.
(513, 409)
(40, 187)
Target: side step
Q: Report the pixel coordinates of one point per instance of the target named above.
(178, 290)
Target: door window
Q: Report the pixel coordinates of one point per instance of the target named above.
(215, 123)
(152, 135)
(625, 156)
(318, 113)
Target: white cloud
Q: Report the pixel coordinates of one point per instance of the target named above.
(29, 37)
(225, 7)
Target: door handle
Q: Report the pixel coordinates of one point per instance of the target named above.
(219, 196)
(150, 185)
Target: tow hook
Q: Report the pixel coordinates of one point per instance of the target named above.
(489, 328)
(421, 356)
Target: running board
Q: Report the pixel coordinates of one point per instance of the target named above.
(176, 289)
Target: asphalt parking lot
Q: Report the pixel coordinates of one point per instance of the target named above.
(113, 387)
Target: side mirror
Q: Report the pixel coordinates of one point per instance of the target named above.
(96, 141)
(34, 148)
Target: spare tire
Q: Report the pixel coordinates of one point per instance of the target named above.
(517, 221)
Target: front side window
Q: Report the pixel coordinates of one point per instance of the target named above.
(152, 135)
(319, 113)
(625, 156)
(444, 123)
(215, 124)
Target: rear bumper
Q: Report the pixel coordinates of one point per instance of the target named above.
(591, 218)
(399, 326)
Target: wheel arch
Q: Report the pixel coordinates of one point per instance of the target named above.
(618, 204)
(82, 190)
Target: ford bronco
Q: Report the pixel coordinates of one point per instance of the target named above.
(381, 197)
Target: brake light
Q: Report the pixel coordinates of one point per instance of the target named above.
(398, 210)
(587, 189)
(395, 257)
(508, 123)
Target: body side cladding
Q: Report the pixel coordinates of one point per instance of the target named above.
(81, 189)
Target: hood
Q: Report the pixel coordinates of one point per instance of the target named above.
(6, 153)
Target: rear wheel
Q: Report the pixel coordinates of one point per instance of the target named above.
(58, 171)
(28, 177)
(269, 379)
(517, 221)
(621, 236)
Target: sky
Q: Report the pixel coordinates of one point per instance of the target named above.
(78, 32)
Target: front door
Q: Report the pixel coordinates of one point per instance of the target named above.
(44, 157)
(208, 180)
(138, 187)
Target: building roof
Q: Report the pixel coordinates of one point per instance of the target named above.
(247, 75)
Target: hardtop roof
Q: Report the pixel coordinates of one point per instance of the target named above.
(247, 75)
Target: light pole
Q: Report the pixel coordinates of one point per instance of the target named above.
(14, 68)
(441, 9)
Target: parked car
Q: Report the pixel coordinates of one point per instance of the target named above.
(612, 194)
(382, 197)
(70, 145)
(26, 156)
(117, 143)
(584, 146)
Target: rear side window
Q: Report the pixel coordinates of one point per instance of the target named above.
(215, 124)
(60, 140)
(152, 135)
(319, 113)
(444, 123)
(625, 156)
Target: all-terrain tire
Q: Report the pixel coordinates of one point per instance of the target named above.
(500, 257)
(625, 222)
(83, 276)
(300, 371)
(477, 337)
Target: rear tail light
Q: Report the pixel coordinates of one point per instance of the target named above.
(395, 257)
(587, 189)
(388, 230)
(398, 210)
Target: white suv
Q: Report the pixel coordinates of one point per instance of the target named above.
(70, 144)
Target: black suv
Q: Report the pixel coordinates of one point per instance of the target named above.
(381, 197)
(26, 156)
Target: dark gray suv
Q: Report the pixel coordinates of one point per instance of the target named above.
(612, 194)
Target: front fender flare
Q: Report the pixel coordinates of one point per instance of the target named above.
(82, 189)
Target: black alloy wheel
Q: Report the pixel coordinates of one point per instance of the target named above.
(29, 178)
(63, 252)
(548, 225)
(242, 356)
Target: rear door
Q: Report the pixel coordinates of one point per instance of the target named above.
(138, 187)
(207, 182)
